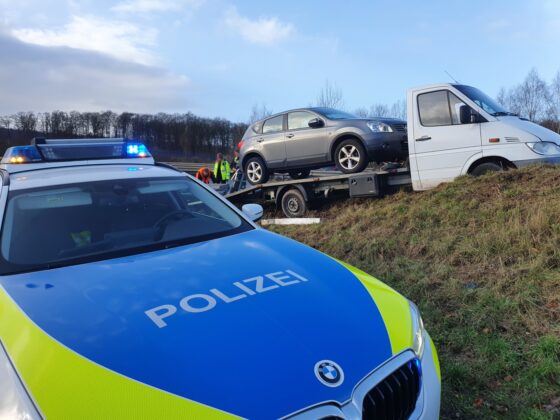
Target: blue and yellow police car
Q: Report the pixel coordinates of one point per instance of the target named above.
(130, 290)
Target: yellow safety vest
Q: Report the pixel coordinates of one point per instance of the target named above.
(224, 168)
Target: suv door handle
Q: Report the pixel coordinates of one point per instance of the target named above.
(290, 135)
(423, 138)
(260, 140)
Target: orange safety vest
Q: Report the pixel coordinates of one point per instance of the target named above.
(200, 175)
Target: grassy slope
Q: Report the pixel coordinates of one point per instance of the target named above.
(481, 258)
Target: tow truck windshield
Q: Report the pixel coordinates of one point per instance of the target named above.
(71, 224)
(484, 101)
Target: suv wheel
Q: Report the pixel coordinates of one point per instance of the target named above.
(350, 156)
(304, 173)
(256, 171)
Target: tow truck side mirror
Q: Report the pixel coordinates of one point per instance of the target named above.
(468, 115)
(253, 211)
(316, 123)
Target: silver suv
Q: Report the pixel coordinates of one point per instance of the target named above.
(299, 140)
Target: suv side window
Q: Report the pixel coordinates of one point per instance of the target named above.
(298, 120)
(273, 125)
(257, 127)
(439, 108)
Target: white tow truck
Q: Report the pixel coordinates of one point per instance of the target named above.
(453, 130)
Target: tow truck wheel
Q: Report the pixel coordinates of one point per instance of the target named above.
(486, 167)
(256, 171)
(350, 156)
(300, 174)
(293, 203)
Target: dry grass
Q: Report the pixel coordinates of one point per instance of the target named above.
(481, 257)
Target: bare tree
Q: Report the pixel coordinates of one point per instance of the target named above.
(554, 101)
(5, 122)
(532, 96)
(330, 96)
(258, 112)
(25, 121)
(361, 112)
(379, 110)
(398, 109)
(503, 97)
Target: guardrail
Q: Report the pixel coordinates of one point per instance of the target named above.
(190, 167)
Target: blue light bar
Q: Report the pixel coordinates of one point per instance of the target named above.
(60, 150)
(22, 154)
(137, 150)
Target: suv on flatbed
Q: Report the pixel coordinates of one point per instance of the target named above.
(299, 140)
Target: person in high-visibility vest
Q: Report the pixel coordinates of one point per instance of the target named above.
(204, 175)
(221, 170)
(234, 162)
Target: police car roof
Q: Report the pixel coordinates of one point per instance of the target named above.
(47, 176)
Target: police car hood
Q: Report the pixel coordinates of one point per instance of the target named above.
(237, 323)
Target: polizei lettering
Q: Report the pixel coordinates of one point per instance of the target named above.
(203, 302)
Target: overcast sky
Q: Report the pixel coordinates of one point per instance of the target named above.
(220, 57)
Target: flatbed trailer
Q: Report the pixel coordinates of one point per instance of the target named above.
(294, 197)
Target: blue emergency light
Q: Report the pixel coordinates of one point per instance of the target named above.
(60, 150)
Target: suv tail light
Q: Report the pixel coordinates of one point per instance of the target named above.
(240, 145)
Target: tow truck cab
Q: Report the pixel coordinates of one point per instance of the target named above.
(455, 129)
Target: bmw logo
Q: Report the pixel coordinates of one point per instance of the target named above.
(329, 373)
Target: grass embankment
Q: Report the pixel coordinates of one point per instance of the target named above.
(481, 258)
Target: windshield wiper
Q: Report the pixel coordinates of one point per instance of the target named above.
(504, 114)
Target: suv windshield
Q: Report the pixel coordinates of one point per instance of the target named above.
(70, 224)
(483, 100)
(334, 114)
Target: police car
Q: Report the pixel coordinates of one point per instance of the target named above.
(130, 290)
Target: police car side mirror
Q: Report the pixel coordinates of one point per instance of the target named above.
(253, 211)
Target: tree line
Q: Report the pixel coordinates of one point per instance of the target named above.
(169, 136)
(535, 99)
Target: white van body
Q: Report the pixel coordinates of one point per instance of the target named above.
(441, 147)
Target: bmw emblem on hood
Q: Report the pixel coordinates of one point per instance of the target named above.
(329, 373)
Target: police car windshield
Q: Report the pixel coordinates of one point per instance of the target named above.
(75, 223)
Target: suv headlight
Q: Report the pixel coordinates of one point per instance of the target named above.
(544, 148)
(417, 331)
(379, 127)
(14, 400)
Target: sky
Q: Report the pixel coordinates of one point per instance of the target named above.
(219, 58)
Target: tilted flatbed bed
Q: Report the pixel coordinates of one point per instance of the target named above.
(294, 196)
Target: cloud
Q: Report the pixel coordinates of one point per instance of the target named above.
(38, 78)
(119, 39)
(151, 6)
(264, 31)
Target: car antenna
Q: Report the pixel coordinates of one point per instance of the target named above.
(452, 78)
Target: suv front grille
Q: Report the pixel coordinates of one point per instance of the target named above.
(399, 127)
(394, 397)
